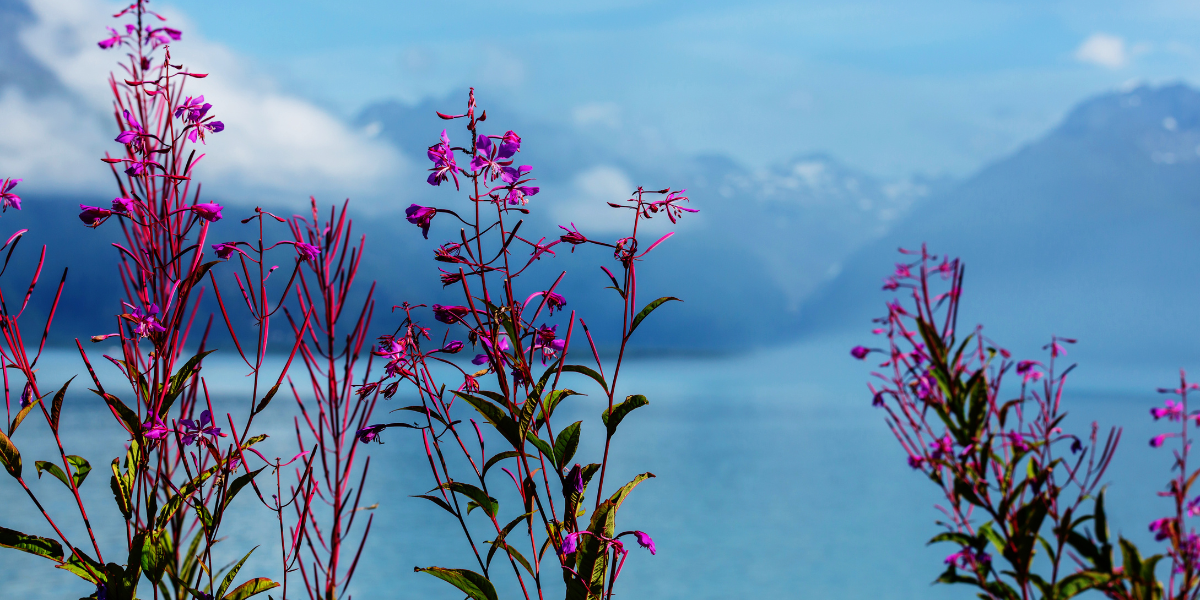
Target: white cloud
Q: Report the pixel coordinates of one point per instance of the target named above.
(607, 114)
(1104, 50)
(275, 146)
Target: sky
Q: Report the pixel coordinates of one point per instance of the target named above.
(890, 87)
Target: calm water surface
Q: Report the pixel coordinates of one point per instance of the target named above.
(775, 479)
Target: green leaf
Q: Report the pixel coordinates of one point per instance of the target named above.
(81, 468)
(952, 536)
(503, 535)
(32, 544)
(497, 458)
(56, 404)
(645, 312)
(251, 588)
(439, 502)
(589, 372)
(263, 405)
(9, 456)
(613, 417)
(551, 402)
(592, 556)
(128, 418)
(500, 421)
(21, 417)
(566, 444)
(542, 447)
(76, 564)
(1077, 583)
(228, 581)
(474, 585)
(156, 554)
(179, 380)
(49, 467)
(487, 503)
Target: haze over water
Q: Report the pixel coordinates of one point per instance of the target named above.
(775, 479)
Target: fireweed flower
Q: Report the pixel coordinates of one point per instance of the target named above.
(520, 195)
(449, 314)
(123, 206)
(7, 197)
(146, 324)
(453, 347)
(450, 278)
(192, 109)
(859, 352)
(93, 216)
(572, 236)
(514, 174)
(1161, 528)
(307, 252)
(1173, 411)
(197, 429)
(484, 161)
(1018, 441)
(443, 162)
(915, 461)
(370, 433)
(113, 39)
(27, 396)
(570, 542)
(890, 283)
(1026, 370)
(555, 301)
(1193, 507)
(155, 429)
(942, 447)
(208, 211)
(224, 249)
(1158, 440)
(573, 484)
(448, 252)
(644, 541)
(421, 216)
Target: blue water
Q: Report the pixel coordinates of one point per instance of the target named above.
(775, 479)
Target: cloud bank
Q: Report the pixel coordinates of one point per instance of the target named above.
(1102, 49)
(275, 147)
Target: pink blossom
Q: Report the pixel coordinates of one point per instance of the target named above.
(155, 429)
(443, 162)
(572, 236)
(208, 211)
(859, 352)
(570, 542)
(93, 216)
(449, 314)
(1173, 411)
(644, 541)
(421, 216)
(1026, 370)
(146, 324)
(555, 301)
(370, 433)
(123, 206)
(197, 429)
(7, 197)
(1158, 440)
(113, 39)
(307, 252)
(225, 249)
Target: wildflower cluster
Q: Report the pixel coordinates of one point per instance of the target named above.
(521, 349)
(1015, 482)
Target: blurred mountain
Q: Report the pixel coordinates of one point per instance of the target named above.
(1092, 231)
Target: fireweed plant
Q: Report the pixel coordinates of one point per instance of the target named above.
(514, 383)
(1016, 484)
(182, 466)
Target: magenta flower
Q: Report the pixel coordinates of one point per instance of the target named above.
(155, 429)
(443, 162)
(27, 396)
(572, 236)
(1158, 440)
(225, 249)
(449, 314)
(197, 429)
(146, 324)
(484, 161)
(480, 359)
(453, 347)
(448, 253)
(113, 39)
(890, 283)
(421, 216)
(520, 195)
(514, 174)
(209, 126)
(510, 144)
(1026, 370)
(208, 211)
(449, 278)
(573, 484)
(1173, 411)
(644, 541)
(7, 197)
(859, 352)
(942, 447)
(192, 109)
(570, 542)
(1018, 441)
(307, 252)
(93, 216)
(123, 206)
(915, 461)
(1161, 528)
(370, 433)
(1193, 507)
(555, 301)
